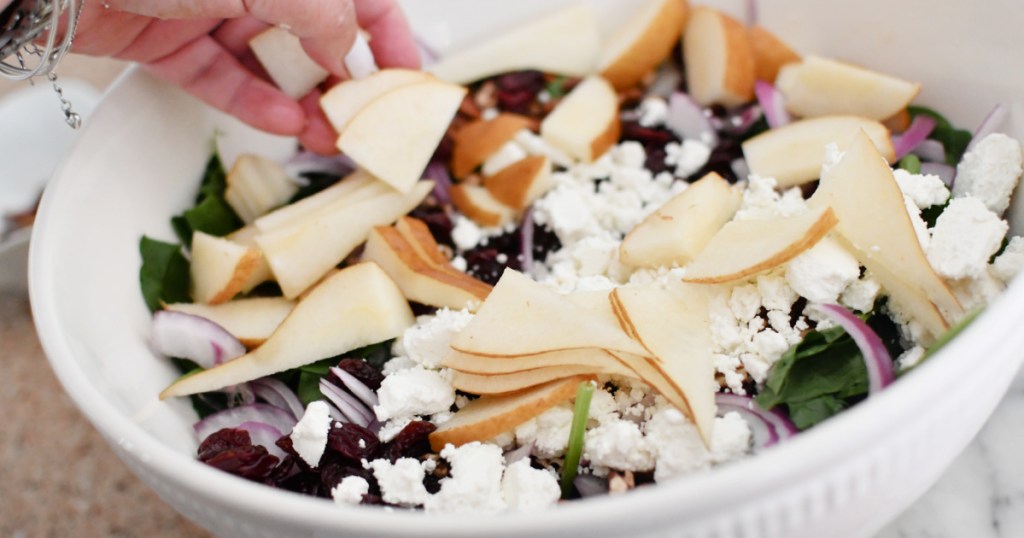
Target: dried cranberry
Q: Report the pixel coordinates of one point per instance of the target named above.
(483, 264)
(222, 440)
(411, 442)
(648, 136)
(361, 370)
(521, 81)
(544, 242)
(333, 473)
(305, 482)
(231, 450)
(352, 441)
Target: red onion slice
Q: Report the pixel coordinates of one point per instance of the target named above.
(428, 54)
(265, 435)
(991, 124)
(358, 388)
(233, 417)
(438, 172)
(513, 456)
(276, 393)
(772, 103)
(753, 13)
(526, 241)
(686, 119)
(352, 408)
(930, 151)
(768, 427)
(589, 485)
(876, 356)
(918, 132)
(185, 336)
(945, 172)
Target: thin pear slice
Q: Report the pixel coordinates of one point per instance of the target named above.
(476, 141)
(473, 364)
(476, 203)
(418, 279)
(282, 55)
(586, 122)
(256, 185)
(793, 154)
(718, 59)
(525, 379)
(251, 321)
(521, 183)
(300, 255)
(770, 53)
(677, 330)
(823, 87)
(246, 236)
(677, 232)
(356, 307)
(643, 42)
(522, 317)
(863, 193)
(747, 247)
(417, 233)
(565, 42)
(220, 268)
(342, 102)
(356, 182)
(394, 136)
(489, 416)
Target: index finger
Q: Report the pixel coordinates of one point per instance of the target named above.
(391, 38)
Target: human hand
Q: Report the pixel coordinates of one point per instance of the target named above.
(202, 46)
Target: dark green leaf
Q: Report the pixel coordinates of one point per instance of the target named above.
(911, 163)
(214, 180)
(309, 387)
(182, 229)
(164, 276)
(556, 88)
(810, 412)
(954, 140)
(951, 333)
(931, 214)
(213, 216)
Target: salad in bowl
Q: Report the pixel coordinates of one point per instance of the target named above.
(566, 263)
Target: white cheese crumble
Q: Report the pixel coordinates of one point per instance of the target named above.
(861, 295)
(990, 172)
(618, 444)
(910, 358)
(414, 391)
(507, 154)
(309, 437)
(526, 489)
(1011, 261)
(680, 449)
(926, 190)
(549, 432)
(920, 227)
(823, 272)
(761, 201)
(965, 236)
(688, 157)
(400, 482)
(474, 481)
(350, 490)
(652, 112)
(428, 342)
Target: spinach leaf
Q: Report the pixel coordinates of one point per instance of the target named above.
(951, 333)
(931, 214)
(810, 412)
(556, 88)
(911, 163)
(207, 403)
(211, 214)
(309, 387)
(954, 140)
(164, 276)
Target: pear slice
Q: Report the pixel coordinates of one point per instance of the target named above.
(355, 187)
(863, 193)
(586, 122)
(473, 364)
(476, 141)
(256, 185)
(522, 317)
(565, 42)
(718, 58)
(302, 253)
(220, 268)
(519, 184)
(417, 233)
(488, 416)
(525, 379)
(476, 203)
(342, 102)
(282, 55)
(419, 280)
(676, 329)
(747, 247)
(822, 87)
(677, 232)
(394, 136)
(251, 321)
(356, 307)
(246, 236)
(643, 42)
(770, 53)
(793, 154)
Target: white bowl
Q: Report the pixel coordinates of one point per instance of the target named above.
(140, 159)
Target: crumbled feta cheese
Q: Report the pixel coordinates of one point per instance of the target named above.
(465, 233)
(978, 290)
(391, 428)
(990, 171)
(460, 264)
(350, 490)
(309, 436)
(508, 154)
(505, 440)
(832, 157)
(688, 157)
(428, 342)
(821, 273)
(920, 228)
(745, 302)
(630, 154)
(414, 391)
(603, 406)
(594, 283)
(652, 112)
(730, 438)
(770, 345)
(729, 367)
(565, 211)
(526, 489)
(535, 145)
(549, 432)
(1011, 261)
(926, 190)
(474, 481)
(489, 113)
(679, 448)
(400, 362)
(910, 358)
(400, 482)
(966, 235)
(761, 201)
(775, 292)
(618, 444)
(861, 294)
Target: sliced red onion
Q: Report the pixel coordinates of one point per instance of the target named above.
(930, 151)
(918, 132)
(993, 122)
(352, 408)
(526, 241)
(243, 394)
(428, 54)
(276, 393)
(513, 456)
(357, 387)
(876, 356)
(233, 417)
(773, 104)
(307, 162)
(945, 172)
(265, 435)
(740, 121)
(438, 172)
(686, 119)
(753, 13)
(589, 485)
(185, 336)
(767, 427)
(666, 81)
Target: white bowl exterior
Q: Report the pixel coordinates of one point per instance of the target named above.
(139, 159)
